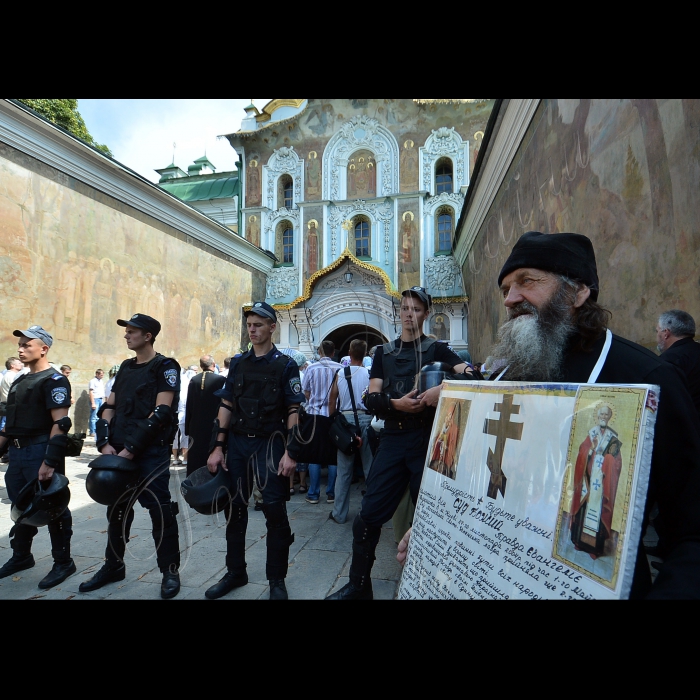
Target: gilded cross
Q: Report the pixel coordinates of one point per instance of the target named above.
(503, 429)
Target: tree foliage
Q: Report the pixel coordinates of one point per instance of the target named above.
(64, 113)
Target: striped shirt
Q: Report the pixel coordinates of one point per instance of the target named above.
(317, 381)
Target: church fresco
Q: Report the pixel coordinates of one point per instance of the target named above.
(408, 166)
(253, 188)
(73, 260)
(625, 173)
(362, 175)
(408, 244)
(313, 176)
(253, 229)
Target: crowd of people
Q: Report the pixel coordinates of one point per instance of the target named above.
(242, 423)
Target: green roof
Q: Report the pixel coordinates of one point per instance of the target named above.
(206, 187)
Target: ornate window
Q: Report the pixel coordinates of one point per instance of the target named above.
(361, 237)
(285, 192)
(443, 176)
(444, 229)
(284, 244)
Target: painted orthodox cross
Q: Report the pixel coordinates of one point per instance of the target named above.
(503, 429)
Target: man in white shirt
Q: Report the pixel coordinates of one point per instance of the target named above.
(13, 368)
(316, 387)
(340, 395)
(96, 392)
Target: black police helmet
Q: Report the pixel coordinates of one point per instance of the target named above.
(207, 493)
(432, 375)
(40, 502)
(110, 478)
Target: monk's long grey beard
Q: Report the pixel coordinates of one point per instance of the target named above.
(533, 345)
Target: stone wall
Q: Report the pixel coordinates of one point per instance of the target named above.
(74, 259)
(626, 173)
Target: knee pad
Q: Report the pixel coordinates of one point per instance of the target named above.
(275, 514)
(362, 532)
(163, 515)
(236, 513)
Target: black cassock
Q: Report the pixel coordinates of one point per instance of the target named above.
(201, 409)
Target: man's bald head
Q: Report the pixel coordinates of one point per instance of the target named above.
(206, 362)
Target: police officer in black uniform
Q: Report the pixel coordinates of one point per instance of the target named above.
(408, 419)
(259, 405)
(35, 432)
(138, 422)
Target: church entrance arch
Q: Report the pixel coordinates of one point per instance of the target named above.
(343, 336)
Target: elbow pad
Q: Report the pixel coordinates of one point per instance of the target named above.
(148, 430)
(378, 403)
(101, 433)
(64, 424)
(56, 451)
(217, 430)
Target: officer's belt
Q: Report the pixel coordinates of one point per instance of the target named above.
(245, 433)
(407, 423)
(29, 440)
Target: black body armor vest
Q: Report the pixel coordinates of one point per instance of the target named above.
(258, 396)
(400, 364)
(136, 397)
(26, 411)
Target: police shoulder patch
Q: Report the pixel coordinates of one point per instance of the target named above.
(171, 376)
(295, 385)
(58, 375)
(59, 395)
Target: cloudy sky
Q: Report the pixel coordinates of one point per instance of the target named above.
(141, 133)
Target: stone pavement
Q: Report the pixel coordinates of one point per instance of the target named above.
(319, 559)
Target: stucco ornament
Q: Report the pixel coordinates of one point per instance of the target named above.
(381, 212)
(452, 199)
(282, 281)
(283, 161)
(442, 273)
(361, 132)
(443, 142)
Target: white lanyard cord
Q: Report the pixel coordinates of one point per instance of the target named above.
(598, 365)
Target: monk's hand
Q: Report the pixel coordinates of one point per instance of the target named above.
(403, 547)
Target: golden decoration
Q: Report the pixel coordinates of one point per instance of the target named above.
(476, 135)
(311, 282)
(408, 141)
(408, 213)
(269, 109)
(253, 218)
(314, 222)
(253, 163)
(312, 155)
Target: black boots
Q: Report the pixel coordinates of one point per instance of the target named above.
(364, 544)
(352, 592)
(18, 562)
(226, 585)
(278, 591)
(58, 574)
(109, 573)
(170, 586)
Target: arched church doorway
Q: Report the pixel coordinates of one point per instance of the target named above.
(343, 336)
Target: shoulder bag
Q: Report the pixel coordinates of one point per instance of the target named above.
(343, 434)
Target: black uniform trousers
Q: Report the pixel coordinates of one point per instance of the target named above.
(251, 458)
(153, 493)
(399, 462)
(23, 467)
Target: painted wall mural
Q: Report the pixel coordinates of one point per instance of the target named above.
(362, 175)
(313, 176)
(408, 166)
(625, 173)
(73, 261)
(408, 244)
